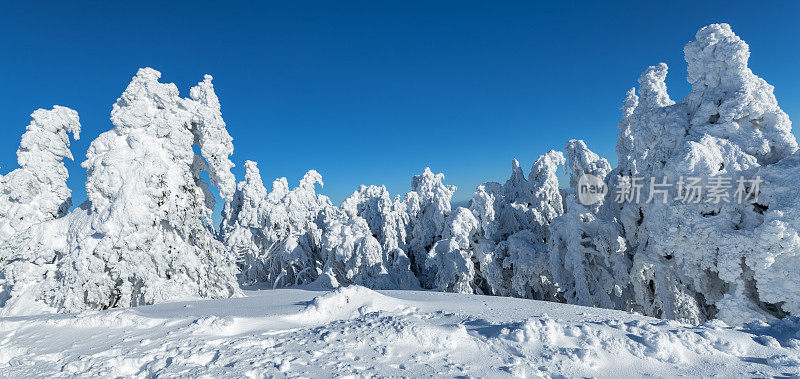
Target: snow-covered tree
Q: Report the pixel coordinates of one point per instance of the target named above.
(213, 141)
(588, 262)
(275, 236)
(515, 264)
(242, 229)
(452, 257)
(353, 255)
(296, 237)
(694, 261)
(37, 191)
(428, 205)
(350, 246)
(387, 217)
(142, 237)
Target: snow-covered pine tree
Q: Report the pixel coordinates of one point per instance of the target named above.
(242, 228)
(37, 191)
(452, 258)
(275, 235)
(513, 221)
(428, 205)
(142, 236)
(587, 258)
(499, 245)
(286, 238)
(698, 260)
(363, 241)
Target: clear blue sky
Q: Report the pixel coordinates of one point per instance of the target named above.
(372, 92)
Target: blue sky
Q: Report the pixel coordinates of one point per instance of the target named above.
(372, 92)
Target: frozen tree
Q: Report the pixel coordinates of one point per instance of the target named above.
(512, 233)
(142, 236)
(428, 206)
(242, 229)
(353, 255)
(697, 260)
(587, 258)
(387, 217)
(388, 221)
(287, 238)
(452, 257)
(211, 136)
(275, 236)
(37, 191)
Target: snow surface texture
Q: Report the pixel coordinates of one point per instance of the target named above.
(355, 331)
(143, 238)
(140, 238)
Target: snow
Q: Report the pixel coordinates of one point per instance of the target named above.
(293, 237)
(37, 191)
(141, 237)
(697, 261)
(357, 331)
(720, 275)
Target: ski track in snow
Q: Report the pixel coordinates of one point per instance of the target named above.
(355, 331)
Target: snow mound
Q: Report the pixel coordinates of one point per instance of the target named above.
(347, 303)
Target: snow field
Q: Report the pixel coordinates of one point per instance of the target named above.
(356, 331)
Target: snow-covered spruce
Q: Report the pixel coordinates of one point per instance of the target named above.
(286, 238)
(587, 259)
(274, 235)
(512, 245)
(696, 261)
(427, 204)
(37, 191)
(499, 245)
(684, 261)
(364, 241)
(141, 237)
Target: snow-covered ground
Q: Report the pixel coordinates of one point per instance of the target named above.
(357, 331)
